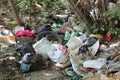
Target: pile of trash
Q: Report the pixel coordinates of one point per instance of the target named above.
(81, 55)
(18, 55)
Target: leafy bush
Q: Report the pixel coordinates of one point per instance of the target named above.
(113, 23)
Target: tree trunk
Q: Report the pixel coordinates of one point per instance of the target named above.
(81, 14)
(15, 12)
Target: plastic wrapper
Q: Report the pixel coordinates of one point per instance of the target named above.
(58, 53)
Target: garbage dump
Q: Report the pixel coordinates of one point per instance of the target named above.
(88, 60)
(83, 56)
(18, 55)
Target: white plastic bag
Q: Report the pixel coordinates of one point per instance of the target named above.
(94, 48)
(97, 64)
(58, 53)
(76, 61)
(42, 47)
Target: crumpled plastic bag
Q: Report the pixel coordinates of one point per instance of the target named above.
(91, 41)
(76, 61)
(58, 53)
(94, 48)
(42, 28)
(97, 64)
(23, 47)
(42, 47)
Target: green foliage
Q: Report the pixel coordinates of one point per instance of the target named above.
(113, 27)
(112, 14)
(47, 6)
(80, 23)
(95, 28)
(113, 31)
(38, 9)
(22, 4)
(116, 22)
(102, 28)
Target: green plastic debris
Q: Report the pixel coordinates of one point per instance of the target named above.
(71, 73)
(67, 36)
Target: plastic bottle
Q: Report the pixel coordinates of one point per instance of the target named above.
(26, 62)
(67, 36)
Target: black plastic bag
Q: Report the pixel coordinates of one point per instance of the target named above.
(24, 47)
(90, 41)
(42, 28)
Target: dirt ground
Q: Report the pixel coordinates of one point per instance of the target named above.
(46, 75)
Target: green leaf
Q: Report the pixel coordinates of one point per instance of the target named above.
(102, 28)
(109, 18)
(116, 22)
(95, 30)
(116, 33)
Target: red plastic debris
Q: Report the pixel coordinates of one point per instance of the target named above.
(25, 33)
(107, 37)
